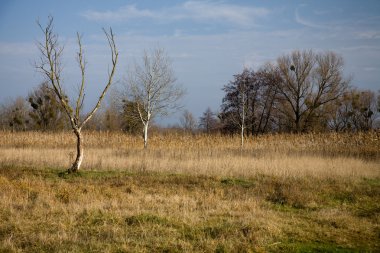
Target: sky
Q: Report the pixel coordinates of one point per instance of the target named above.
(207, 41)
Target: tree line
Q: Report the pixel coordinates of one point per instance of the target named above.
(151, 91)
(302, 91)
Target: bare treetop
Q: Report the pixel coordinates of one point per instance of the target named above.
(50, 65)
(153, 87)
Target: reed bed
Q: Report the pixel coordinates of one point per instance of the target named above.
(190, 193)
(318, 155)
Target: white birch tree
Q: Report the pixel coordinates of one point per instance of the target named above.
(153, 87)
(243, 99)
(235, 103)
(50, 65)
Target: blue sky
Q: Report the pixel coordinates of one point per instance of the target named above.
(208, 41)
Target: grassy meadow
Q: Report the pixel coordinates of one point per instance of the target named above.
(190, 193)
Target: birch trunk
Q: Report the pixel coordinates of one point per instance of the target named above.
(51, 66)
(146, 135)
(78, 161)
(243, 122)
(242, 136)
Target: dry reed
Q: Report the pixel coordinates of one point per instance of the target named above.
(318, 155)
(280, 193)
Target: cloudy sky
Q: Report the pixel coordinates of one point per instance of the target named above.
(208, 41)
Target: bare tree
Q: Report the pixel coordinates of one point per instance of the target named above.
(208, 121)
(153, 87)
(309, 81)
(46, 112)
(14, 115)
(258, 91)
(267, 81)
(50, 65)
(356, 110)
(188, 121)
(242, 109)
(235, 107)
(112, 116)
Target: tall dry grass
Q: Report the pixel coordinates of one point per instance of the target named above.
(318, 155)
(280, 193)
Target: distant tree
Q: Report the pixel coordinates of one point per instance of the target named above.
(111, 117)
(208, 122)
(309, 81)
(46, 112)
(14, 115)
(153, 88)
(3, 121)
(96, 123)
(260, 93)
(264, 118)
(188, 122)
(50, 66)
(235, 107)
(356, 110)
(377, 118)
(131, 121)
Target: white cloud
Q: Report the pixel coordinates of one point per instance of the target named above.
(370, 69)
(361, 48)
(322, 12)
(368, 34)
(330, 11)
(124, 13)
(308, 23)
(201, 11)
(241, 15)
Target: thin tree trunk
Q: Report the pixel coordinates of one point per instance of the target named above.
(78, 161)
(298, 127)
(242, 125)
(146, 135)
(242, 136)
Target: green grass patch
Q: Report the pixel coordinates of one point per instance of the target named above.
(374, 182)
(237, 182)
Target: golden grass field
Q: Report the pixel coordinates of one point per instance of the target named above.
(190, 193)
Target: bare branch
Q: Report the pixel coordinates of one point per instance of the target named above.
(114, 57)
(153, 87)
(50, 66)
(82, 65)
(50, 63)
(310, 81)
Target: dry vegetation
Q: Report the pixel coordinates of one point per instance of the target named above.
(302, 193)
